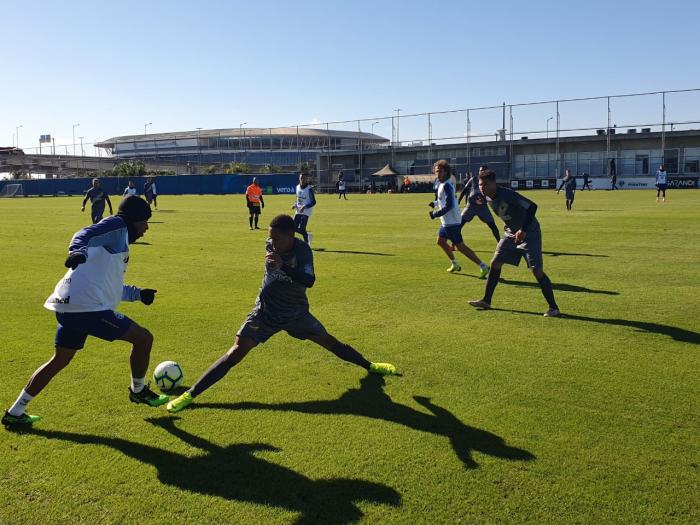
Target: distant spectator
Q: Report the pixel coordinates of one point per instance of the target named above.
(149, 190)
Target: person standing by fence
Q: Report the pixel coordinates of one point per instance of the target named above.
(150, 192)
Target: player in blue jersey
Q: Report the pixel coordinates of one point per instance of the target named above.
(476, 205)
(304, 207)
(281, 305)
(445, 208)
(569, 185)
(97, 197)
(661, 182)
(340, 187)
(523, 238)
(85, 302)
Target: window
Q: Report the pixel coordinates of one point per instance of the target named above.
(671, 160)
(692, 166)
(641, 164)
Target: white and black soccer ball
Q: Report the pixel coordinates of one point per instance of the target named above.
(168, 375)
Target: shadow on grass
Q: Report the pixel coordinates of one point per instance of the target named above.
(142, 242)
(563, 287)
(351, 252)
(237, 473)
(559, 254)
(674, 332)
(371, 401)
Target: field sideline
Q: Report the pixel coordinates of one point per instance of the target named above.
(500, 416)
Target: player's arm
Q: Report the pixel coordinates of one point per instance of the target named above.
(134, 293)
(448, 203)
(109, 203)
(561, 185)
(87, 196)
(465, 191)
(107, 233)
(304, 272)
(262, 201)
(312, 196)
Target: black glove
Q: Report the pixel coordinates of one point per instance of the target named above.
(148, 296)
(431, 204)
(74, 260)
(430, 214)
(263, 204)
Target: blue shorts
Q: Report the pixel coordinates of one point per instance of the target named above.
(301, 220)
(661, 187)
(510, 252)
(74, 328)
(452, 233)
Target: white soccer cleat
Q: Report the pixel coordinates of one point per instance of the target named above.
(310, 236)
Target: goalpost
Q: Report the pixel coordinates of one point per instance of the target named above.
(12, 190)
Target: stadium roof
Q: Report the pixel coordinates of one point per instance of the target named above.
(245, 133)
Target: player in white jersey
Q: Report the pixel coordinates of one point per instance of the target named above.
(304, 207)
(85, 302)
(447, 209)
(661, 182)
(340, 187)
(130, 189)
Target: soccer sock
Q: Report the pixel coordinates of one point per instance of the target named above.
(494, 230)
(256, 220)
(491, 283)
(215, 372)
(21, 404)
(548, 291)
(349, 354)
(305, 235)
(250, 221)
(137, 384)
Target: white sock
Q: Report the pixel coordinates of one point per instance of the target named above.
(21, 404)
(137, 384)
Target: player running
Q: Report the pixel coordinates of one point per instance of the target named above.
(303, 207)
(85, 302)
(150, 192)
(661, 181)
(586, 181)
(130, 189)
(281, 305)
(97, 197)
(569, 185)
(254, 199)
(476, 205)
(446, 208)
(340, 187)
(523, 239)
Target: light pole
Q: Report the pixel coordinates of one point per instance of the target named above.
(398, 122)
(550, 118)
(74, 126)
(146, 126)
(17, 133)
(373, 123)
(82, 151)
(241, 132)
(199, 146)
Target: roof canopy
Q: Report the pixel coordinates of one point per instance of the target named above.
(386, 171)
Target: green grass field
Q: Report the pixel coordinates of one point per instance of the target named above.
(500, 416)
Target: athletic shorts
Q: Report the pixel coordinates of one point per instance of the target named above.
(451, 233)
(259, 327)
(661, 187)
(509, 252)
(569, 195)
(254, 208)
(477, 210)
(74, 328)
(301, 220)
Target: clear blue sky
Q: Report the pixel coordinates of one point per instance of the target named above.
(113, 66)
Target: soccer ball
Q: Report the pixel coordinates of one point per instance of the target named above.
(168, 375)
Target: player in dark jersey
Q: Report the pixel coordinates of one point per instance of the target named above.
(569, 185)
(586, 181)
(150, 192)
(281, 305)
(476, 205)
(97, 197)
(523, 239)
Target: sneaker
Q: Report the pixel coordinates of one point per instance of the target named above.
(251, 228)
(311, 237)
(257, 227)
(657, 199)
(454, 267)
(484, 272)
(180, 403)
(25, 420)
(148, 397)
(480, 304)
(552, 312)
(384, 369)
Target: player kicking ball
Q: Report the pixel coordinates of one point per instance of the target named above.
(523, 239)
(85, 302)
(446, 208)
(281, 305)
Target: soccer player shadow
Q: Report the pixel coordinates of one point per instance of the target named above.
(371, 401)
(677, 334)
(353, 252)
(560, 254)
(562, 287)
(236, 472)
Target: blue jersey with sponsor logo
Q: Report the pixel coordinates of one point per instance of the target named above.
(514, 209)
(281, 297)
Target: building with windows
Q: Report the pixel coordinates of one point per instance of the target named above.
(283, 147)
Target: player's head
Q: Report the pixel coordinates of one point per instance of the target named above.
(135, 212)
(567, 173)
(340, 175)
(303, 179)
(131, 184)
(483, 167)
(441, 169)
(281, 233)
(255, 181)
(149, 179)
(487, 182)
(662, 167)
(95, 183)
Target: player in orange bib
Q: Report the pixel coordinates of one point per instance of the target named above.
(254, 200)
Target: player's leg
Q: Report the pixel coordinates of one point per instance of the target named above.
(301, 220)
(442, 243)
(485, 216)
(547, 292)
(250, 216)
(257, 218)
(491, 282)
(454, 234)
(215, 372)
(141, 343)
(349, 354)
(155, 201)
(494, 230)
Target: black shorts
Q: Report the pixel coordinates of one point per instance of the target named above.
(254, 208)
(259, 327)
